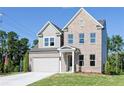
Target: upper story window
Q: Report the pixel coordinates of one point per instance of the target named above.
(92, 60)
(92, 37)
(70, 38)
(81, 38)
(49, 41)
(46, 41)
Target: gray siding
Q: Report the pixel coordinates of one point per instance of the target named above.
(50, 31)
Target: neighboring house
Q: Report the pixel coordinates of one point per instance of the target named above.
(81, 46)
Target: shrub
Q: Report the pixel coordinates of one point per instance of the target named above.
(26, 62)
(10, 66)
(112, 65)
(0, 67)
(16, 69)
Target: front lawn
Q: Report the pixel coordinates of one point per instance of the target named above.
(80, 79)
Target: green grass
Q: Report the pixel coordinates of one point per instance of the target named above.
(80, 79)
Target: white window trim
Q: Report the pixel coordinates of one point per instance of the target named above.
(81, 38)
(48, 41)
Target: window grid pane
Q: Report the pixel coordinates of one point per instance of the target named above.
(70, 38)
(46, 41)
(92, 63)
(81, 60)
(93, 37)
(51, 41)
(81, 38)
(92, 60)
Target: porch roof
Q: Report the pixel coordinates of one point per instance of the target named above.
(66, 49)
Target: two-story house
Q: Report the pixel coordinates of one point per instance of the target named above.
(81, 46)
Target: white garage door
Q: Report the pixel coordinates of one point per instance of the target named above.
(46, 64)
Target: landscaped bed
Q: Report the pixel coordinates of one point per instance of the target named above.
(10, 73)
(80, 79)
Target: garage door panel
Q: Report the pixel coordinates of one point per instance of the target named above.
(46, 64)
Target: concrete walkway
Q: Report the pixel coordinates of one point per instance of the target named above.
(23, 79)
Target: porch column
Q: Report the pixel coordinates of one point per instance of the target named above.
(72, 61)
(60, 61)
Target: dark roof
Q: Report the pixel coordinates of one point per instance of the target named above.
(57, 27)
(102, 22)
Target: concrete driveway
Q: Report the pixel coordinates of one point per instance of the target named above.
(23, 79)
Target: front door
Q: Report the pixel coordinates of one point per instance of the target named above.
(69, 62)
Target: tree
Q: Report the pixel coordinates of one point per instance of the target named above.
(12, 45)
(117, 43)
(109, 45)
(26, 62)
(3, 48)
(115, 47)
(14, 48)
(35, 42)
(23, 47)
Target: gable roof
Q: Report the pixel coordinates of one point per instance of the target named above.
(66, 48)
(82, 9)
(102, 22)
(45, 26)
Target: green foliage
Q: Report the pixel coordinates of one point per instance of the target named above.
(112, 65)
(16, 69)
(12, 45)
(79, 79)
(35, 42)
(10, 66)
(115, 64)
(24, 45)
(6, 69)
(3, 48)
(15, 48)
(115, 44)
(1, 66)
(26, 62)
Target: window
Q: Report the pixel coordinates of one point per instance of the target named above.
(93, 37)
(51, 41)
(81, 38)
(70, 38)
(81, 60)
(81, 23)
(92, 60)
(46, 41)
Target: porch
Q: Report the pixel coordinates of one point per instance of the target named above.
(67, 59)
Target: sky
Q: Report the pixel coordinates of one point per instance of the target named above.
(26, 22)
